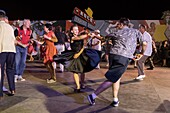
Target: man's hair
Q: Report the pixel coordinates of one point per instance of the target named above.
(25, 20)
(143, 26)
(124, 21)
(2, 13)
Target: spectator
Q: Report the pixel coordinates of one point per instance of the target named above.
(31, 51)
(164, 52)
(60, 45)
(151, 58)
(96, 44)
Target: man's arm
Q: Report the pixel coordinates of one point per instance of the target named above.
(16, 32)
(144, 45)
(98, 37)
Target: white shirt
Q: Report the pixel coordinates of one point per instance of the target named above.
(146, 37)
(7, 38)
(98, 46)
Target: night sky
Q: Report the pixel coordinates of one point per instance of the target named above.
(102, 9)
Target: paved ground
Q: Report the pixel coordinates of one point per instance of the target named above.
(152, 95)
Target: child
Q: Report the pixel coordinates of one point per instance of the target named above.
(31, 51)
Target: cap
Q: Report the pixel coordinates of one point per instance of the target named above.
(2, 12)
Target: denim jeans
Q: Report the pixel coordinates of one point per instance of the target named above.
(20, 60)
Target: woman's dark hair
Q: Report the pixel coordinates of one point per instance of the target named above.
(59, 28)
(49, 26)
(71, 28)
(163, 42)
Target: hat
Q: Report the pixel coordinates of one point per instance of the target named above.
(89, 12)
(2, 12)
(97, 31)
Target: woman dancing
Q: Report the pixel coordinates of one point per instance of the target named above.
(50, 51)
(79, 59)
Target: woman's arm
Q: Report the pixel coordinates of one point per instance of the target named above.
(81, 37)
(54, 38)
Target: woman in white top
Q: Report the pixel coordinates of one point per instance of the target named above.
(96, 44)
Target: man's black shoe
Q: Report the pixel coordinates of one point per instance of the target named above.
(151, 68)
(77, 91)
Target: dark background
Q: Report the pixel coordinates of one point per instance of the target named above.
(102, 9)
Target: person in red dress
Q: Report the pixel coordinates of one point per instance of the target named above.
(50, 38)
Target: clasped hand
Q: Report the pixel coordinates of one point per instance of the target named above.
(138, 57)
